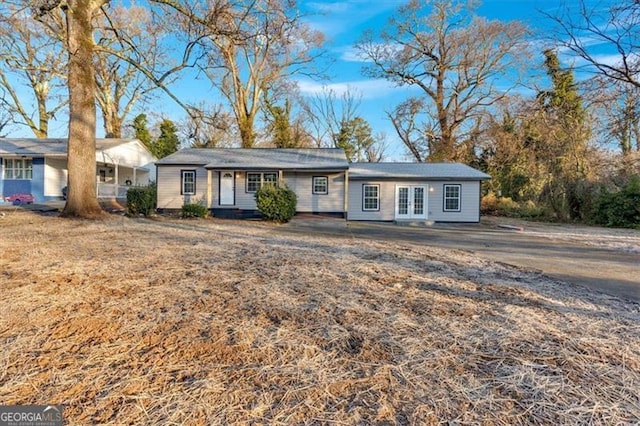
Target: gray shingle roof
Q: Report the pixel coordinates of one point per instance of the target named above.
(260, 158)
(49, 147)
(418, 171)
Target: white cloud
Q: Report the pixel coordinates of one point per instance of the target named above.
(368, 89)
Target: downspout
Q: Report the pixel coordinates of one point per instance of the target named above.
(346, 195)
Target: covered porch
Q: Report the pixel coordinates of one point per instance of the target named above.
(113, 180)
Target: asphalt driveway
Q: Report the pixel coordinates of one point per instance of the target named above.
(603, 269)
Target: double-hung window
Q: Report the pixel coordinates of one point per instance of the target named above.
(19, 168)
(451, 198)
(188, 182)
(370, 197)
(320, 185)
(256, 180)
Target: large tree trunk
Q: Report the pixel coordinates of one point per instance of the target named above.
(81, 198)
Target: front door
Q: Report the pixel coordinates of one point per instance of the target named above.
(227, 188)
(411, 202)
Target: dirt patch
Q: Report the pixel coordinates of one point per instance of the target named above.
(214, 322)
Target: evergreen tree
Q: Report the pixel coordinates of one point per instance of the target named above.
(559, 136)
(168, 141)
(141, 132)
(355, 138)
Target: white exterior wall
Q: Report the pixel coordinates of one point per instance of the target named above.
(55, 176)
(299, 182)
(169, 186)
(129, 155)
(469, 202)
(308, 202)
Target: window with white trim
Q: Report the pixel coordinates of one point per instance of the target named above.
(370, 197)
(320, 185)
(452, 194)
(256, 180)
(188, 182)
(18, 168)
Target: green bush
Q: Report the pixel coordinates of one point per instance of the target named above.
(276, 203)
(620, 209)
(141, 200)
(192, 210)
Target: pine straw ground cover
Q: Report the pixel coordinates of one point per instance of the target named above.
(207, 322)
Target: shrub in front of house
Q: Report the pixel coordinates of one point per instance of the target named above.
(141, 200)
(276, 203)
(194, 210)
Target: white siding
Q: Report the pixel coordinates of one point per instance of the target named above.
(469, 203)
(308, 202)
(169, 187)
(300, 183)
(55, 176)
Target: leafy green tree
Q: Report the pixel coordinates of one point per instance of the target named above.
(355, 138)
(141, 132)
(280, 125)
(168, 141)
(559, 134)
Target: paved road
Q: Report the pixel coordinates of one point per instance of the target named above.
(606, 270)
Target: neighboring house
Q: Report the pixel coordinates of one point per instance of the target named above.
(440, 192)
(225, 180)
(39, 167)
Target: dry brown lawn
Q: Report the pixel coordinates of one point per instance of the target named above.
(132, 321)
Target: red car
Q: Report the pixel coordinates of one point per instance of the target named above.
(20, 198)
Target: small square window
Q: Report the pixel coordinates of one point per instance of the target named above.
(320, 185)
(188, 182)
(451, 198)
(370, 197)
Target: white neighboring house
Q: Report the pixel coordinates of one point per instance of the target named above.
(39, 167)
(225, 181)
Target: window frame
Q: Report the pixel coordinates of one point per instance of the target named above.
(326, 185)
(458, 198)
(25, 168)
(364, 197)
(259, 184)
(182, 181)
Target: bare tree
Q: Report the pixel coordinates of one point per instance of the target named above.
(617, 106)
(119, 84)
(327, 111)
(454, 57)
(208, 126)
(81, 153)
(617, 24)
(266, 42)
(31, 56)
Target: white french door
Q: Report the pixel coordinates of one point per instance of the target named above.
(411, 202)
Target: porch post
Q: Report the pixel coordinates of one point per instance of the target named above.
(280, 178)
(135, 180)
(117, 185)
(346, 194)
(209, 187)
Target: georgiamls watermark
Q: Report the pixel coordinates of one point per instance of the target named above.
(31, 415)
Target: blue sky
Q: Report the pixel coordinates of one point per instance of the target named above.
(343, 23)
